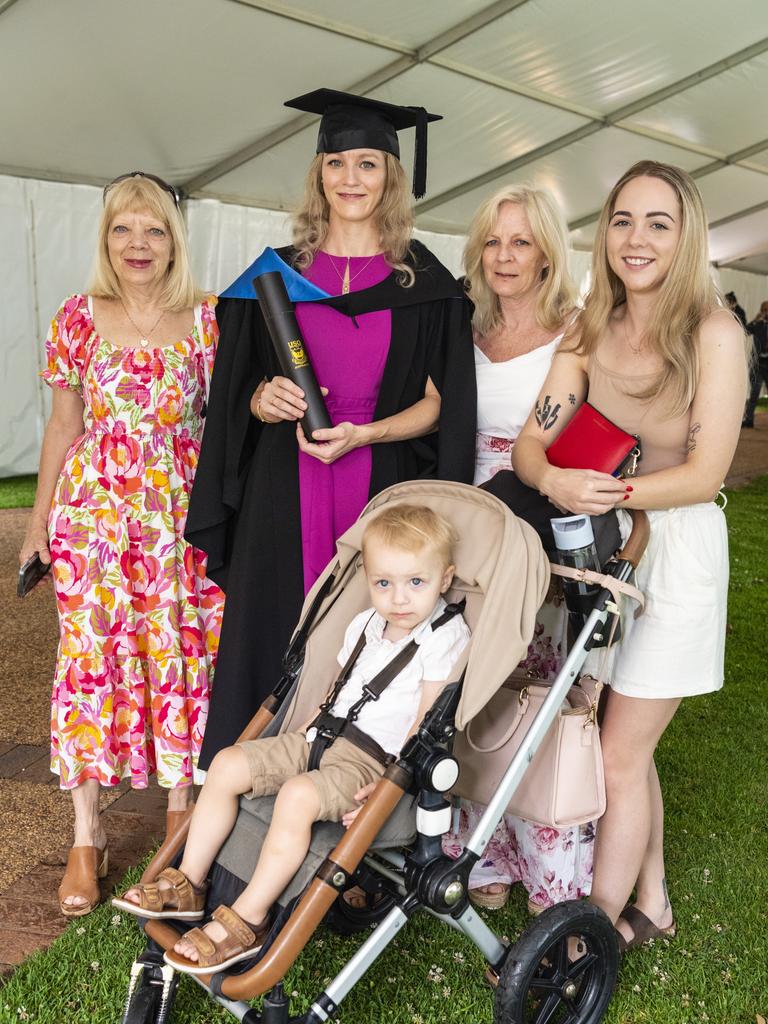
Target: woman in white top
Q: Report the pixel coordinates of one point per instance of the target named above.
(518, 281)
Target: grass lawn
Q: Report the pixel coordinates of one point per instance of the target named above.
(18, 491)
(713, 766)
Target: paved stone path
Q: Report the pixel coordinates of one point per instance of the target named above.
(29, 912)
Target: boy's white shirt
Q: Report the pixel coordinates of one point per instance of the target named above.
(389, 719)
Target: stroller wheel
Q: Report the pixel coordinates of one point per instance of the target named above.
(142, 1007)
(151, 992)
(345, 918)
(562, 969)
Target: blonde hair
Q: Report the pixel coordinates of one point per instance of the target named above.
(394, 218)
(412, 528)
(687, 295)
(557, 294)
(137, 195)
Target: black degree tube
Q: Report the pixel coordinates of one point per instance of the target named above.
(280, 316)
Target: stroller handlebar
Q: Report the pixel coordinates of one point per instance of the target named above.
(638, 539)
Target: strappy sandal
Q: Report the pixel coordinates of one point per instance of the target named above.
(180, 899)
(85, 866)
(240, 942)
(490, 900)
(643, 929)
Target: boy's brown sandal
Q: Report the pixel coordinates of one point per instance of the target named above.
(240, 942)
(85, 866)
(180, 899)
(643, 929)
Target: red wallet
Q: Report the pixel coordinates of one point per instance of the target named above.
(592, 441)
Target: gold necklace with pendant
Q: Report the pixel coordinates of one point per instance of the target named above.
(143, 339)
(345, 279)
(635, 350)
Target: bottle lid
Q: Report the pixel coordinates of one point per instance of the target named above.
(572, 532)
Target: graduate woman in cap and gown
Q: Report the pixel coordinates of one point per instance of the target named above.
(388, 335)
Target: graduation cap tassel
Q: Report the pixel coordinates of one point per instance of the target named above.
(420, 154)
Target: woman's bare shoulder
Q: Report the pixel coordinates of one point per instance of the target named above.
(720, 328)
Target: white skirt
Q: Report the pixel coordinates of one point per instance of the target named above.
(676, 648)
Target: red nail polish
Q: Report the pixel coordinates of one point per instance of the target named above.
(630, 488)
(626, 497)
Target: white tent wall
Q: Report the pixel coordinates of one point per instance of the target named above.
(19, 395)
(48, 232)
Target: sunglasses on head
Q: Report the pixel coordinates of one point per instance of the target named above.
(151, 177)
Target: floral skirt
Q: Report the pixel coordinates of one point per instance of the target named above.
(553, 865)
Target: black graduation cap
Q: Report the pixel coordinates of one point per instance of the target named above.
(357, 122)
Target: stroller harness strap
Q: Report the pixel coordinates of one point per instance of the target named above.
(329, 727)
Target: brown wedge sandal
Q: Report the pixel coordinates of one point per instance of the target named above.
(643, 929)
(85, 866)
(179, 900)
(240, 942)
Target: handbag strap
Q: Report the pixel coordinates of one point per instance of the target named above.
(507, 736)
(616, 587)
(601, 671)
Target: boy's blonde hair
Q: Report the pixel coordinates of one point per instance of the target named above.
(411, 528)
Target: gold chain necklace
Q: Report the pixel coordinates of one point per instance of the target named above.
(632, 348)
(345, 279)
(143, 338)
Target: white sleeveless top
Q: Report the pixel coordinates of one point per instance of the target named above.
(506, 393)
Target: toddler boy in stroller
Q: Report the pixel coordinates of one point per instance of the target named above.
(396, 658)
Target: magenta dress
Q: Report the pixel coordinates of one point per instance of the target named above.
(348, 357)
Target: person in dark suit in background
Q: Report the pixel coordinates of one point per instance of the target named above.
(735, 308)
(758, 328)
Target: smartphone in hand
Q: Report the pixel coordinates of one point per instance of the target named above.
(30, 574)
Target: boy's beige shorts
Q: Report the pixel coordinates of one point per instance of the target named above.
(344, 769)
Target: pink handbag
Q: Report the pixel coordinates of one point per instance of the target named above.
(564, 784)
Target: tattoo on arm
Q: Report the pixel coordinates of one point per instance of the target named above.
(572, 399)
(692, 439)
(546, 413)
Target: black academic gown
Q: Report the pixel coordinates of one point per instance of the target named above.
(244, 508)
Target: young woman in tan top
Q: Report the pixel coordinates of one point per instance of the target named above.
(653, 351)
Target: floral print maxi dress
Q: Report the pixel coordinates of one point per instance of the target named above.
(139, 621)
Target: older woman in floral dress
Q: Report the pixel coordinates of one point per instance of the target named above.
(139, 622)
(518, 282)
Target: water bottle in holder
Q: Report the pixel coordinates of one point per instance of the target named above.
(575, 543)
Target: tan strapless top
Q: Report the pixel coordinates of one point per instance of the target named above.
(664, 439)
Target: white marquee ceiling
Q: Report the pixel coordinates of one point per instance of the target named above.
(564, 93)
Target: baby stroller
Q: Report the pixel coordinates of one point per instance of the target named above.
(393, 850)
